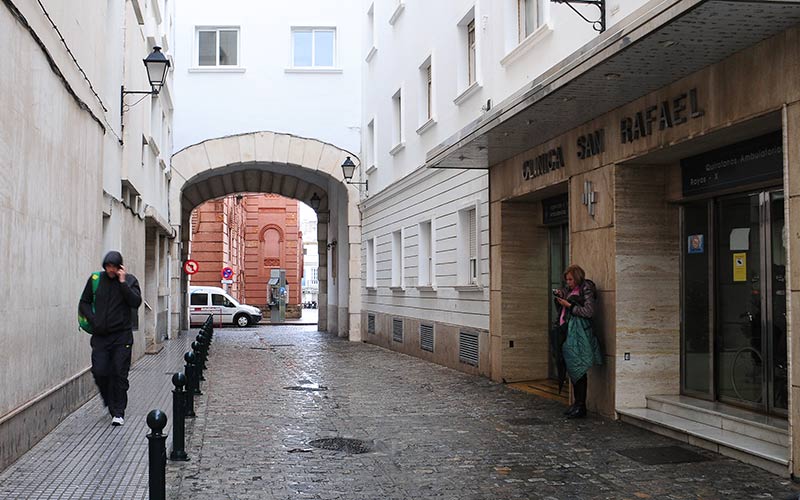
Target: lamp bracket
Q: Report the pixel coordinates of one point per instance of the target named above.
(598, 25)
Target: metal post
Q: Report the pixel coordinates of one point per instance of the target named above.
(178, 419)
(199, 364)
(157, 451)
(189, 370)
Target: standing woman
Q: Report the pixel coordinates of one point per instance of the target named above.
(580, 349)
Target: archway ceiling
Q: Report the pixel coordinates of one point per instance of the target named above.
(290, 181)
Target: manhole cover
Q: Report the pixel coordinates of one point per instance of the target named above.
(307, 388)
(526, 421)
(352, 446)
(661, 455)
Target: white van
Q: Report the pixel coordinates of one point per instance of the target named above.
(205, 300)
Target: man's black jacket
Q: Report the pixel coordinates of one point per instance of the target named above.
(113, 305)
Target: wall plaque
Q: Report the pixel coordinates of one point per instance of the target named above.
(748, 162)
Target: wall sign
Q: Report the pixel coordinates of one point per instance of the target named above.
(755, 160)
(667, 114)
(555, 210)
(544, 163)
(592, 144)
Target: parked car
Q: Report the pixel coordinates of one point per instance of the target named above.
(205, 300)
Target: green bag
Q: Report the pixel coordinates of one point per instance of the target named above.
(83, 322)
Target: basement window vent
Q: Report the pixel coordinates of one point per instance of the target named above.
(397, 330)
(371, 324)
(468, 348)
(426, 337)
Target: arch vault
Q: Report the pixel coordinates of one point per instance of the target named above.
(291, 166)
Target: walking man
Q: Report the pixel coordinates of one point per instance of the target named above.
(115, 300)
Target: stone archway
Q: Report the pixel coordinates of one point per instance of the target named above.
(290, 166)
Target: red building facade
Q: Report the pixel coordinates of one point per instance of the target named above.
(252, 234)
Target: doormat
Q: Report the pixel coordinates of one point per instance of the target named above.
(662, 455)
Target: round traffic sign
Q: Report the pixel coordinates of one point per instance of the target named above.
(227, 273)
(190, 267)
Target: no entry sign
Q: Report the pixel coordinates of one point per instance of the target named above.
(190, 267)
(227, 273)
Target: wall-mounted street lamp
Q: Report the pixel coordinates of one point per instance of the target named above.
(314, 201)
(599, 25)
(157, 66)
(348, 169)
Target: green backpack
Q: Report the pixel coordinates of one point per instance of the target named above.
(83, 322)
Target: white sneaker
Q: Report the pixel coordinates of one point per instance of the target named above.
(117, 421)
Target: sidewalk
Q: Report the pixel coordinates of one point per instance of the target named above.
(310, 317)
(429, 433)
(84, 457)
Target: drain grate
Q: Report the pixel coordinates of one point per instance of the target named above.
(307, 388)
(347, 445)
(661, 455)
(526, 421)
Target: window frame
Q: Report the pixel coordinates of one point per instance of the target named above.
(370, 265)
(472, 53)
(426, 240)
(314, 30)
(217, 65)
(466, 253)
(522, 18)
(398, 260)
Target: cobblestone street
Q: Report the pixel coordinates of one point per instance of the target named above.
(434, 433)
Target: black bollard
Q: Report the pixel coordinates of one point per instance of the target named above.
(194, 380)
(178, 419)
(157, 420)
(199, 365)
(189, 370)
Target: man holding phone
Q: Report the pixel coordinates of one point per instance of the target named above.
(110, 310)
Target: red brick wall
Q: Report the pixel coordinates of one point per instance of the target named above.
(252, 235)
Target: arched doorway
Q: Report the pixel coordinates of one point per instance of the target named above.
(290, 166)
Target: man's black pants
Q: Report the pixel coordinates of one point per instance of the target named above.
(110, 365)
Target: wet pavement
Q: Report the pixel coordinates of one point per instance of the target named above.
(277, 397)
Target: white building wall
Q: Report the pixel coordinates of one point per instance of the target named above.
(400, 39)
(62, 158)
(263, 92)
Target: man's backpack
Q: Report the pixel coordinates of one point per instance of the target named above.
(83, 322)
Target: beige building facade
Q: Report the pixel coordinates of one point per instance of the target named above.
(682, 205)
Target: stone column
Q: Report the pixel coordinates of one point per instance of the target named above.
(354, 264)
(323, 219)
(791, 172)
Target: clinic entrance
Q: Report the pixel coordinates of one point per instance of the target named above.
(734, 344)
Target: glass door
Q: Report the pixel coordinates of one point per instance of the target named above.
(775, 232)
(739, 352)
(734, 301)
(558, 258)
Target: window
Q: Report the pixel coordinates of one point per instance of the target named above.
(218, 47)
(397, 112)
(369, 149)
(221, 300)
(426, 99)
(468, 247)
(199, 299)
(398, 259)
(313, 47)
(530, 14)
(371, 45)
(471, 46)
(426, 263)
(371, 263)
(468, 71)
(429, 91)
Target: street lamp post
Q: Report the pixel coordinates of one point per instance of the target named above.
(157, 66)
(348, 169)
